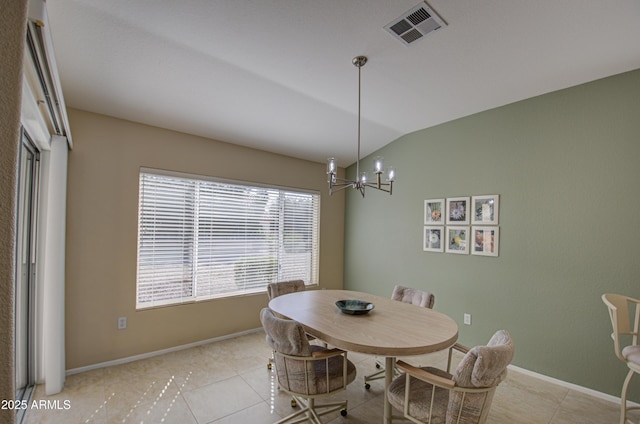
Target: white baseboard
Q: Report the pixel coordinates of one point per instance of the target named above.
(159, 352)
(121, 361)
(585, 390)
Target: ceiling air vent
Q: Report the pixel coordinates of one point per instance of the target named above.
(415, 24)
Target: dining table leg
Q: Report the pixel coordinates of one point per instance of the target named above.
(389, 365)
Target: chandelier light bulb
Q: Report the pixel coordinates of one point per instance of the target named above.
(331, 166)
(378, 165)
(391, 174)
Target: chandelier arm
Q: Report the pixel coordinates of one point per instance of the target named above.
(374, 185)
(338, 187)
(381, 187)
(333, 187)
(344, 180)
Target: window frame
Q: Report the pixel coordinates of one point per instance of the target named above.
(282, 244)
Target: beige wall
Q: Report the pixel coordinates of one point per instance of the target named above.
(12, 37)
(102, 235)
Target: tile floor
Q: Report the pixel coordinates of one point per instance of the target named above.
(228, 382)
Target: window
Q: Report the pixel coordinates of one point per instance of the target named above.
(203, 238)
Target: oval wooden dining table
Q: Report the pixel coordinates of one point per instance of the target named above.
(391, 329)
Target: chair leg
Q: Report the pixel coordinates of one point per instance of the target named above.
(623, 398)
(311, 412)
(375, 376)
(378, 375)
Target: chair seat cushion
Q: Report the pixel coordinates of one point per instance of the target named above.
(632, 354)
(291, 374)
(335, 373)
(420, 397)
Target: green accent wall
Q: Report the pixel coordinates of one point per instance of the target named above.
(567, 167)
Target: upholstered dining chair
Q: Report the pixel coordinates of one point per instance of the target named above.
(284, 287)
(306, 371)
(414, 296)
(623, 311)
(430, 395)
(407, 295)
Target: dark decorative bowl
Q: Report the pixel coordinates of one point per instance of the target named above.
(354, 306)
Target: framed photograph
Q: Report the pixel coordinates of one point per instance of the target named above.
(458, 211)
(485, 209)
(457, 240)
(433, 238)
(485, 240)
(434, 211)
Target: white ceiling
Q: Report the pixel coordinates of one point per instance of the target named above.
(277, 74)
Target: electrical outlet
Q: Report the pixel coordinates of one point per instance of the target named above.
(122, 323)
(467, 319)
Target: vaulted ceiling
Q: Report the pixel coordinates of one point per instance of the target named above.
(277, 74)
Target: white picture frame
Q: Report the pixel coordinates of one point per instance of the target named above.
(485, 210)
(433, 238)
(434, 212)
(486, 240)
(457, 240)
(458, 209)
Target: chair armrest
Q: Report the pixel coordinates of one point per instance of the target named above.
(318, 354)
(459, 348)
(424, 375)
(438, 380)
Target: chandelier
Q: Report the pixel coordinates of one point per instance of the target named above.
(362, 181)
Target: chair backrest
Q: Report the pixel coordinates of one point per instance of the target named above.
(284, 287)
(486, 366)
(284, 335)
(413, 296)
(621, 318)
(288, 340)
(482, 366)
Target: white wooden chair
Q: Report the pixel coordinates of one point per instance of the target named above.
(624, 311)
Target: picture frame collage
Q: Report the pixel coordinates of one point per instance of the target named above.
(462, 225)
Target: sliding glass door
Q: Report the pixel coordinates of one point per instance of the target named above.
(26, 267)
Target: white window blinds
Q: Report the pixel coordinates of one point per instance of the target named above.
(199, 238)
